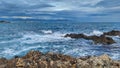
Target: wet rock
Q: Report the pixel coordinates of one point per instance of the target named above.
(112, 33)
(76, 36)
(102, 39)
(97, 39)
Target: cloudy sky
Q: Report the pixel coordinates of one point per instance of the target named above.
(78, 10)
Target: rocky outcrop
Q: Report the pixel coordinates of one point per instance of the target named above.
(103, 39)
(97, 39)
(112, 33)
(36, 59)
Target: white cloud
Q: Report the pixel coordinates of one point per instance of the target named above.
(20, 17)
(34, 17)
(74, 5)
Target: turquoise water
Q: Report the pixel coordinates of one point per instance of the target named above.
(19, 37)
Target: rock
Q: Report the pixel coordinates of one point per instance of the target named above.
(3, 61)
(115, 64)
(34, 55)
(20, 63)
(11, 63)
(112, 33)
(105, 57)
(82, 64)
(76, 36)
(3, 66)
(97, 39)
(43, 64)
(61, 61)
(102, 39)
(85, 57)
(56, 57)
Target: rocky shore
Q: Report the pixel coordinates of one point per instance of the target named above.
(102, 39)
(36, 59)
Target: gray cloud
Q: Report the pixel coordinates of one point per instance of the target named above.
(60, 9)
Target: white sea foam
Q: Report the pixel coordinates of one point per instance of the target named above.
(115, 56)
(47, 31)
(116, 38)
(79, 52)
(36, 38)
(28, 48)
(8, 51)
(12, 52)
(32, 37)
(95, 32)
(29, 37)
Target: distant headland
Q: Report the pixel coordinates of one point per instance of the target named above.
(3, 21)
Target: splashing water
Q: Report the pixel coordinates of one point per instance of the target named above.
(19, 37)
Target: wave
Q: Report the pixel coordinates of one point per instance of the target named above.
(115, 56)
(32, 37)
(94, 32)
(36, 38)
(12, 52)
(36, 41)
(47, 31)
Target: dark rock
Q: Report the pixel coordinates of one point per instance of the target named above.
(102, 39)
(112, 33)
(97, 39)
(76, 36)
(16, 56)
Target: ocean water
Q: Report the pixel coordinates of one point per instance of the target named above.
(19, 37)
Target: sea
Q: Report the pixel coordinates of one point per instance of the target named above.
(19, 37)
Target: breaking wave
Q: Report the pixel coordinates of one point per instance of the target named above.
(47, 31)
(95, 32)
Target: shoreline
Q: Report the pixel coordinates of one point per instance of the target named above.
(36, 59)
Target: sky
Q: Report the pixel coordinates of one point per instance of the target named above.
(75, 10)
